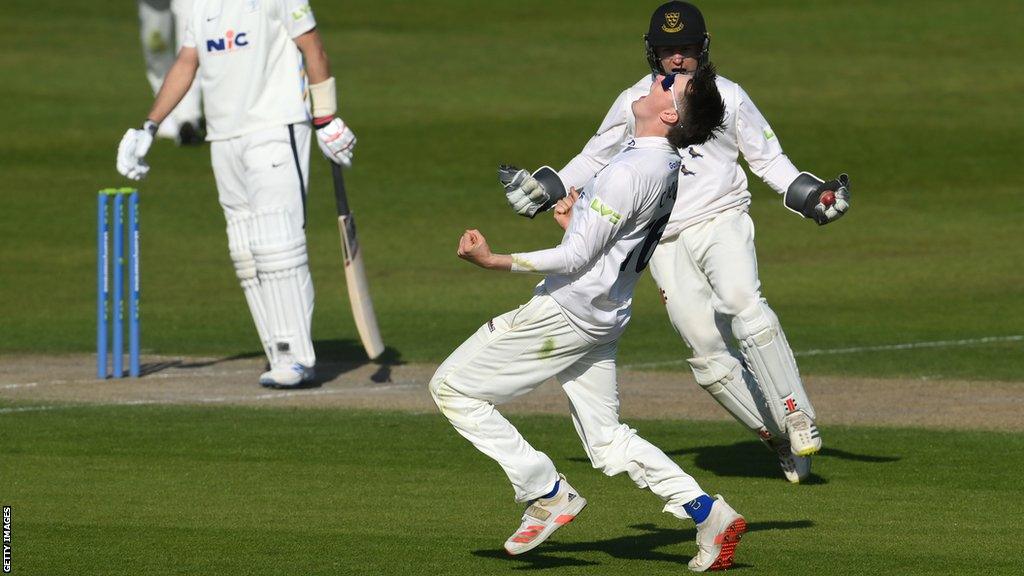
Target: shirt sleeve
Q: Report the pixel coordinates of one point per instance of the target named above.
(594, 223)
(601, 148)
(297, 16)
(761, 147)
(188, 40)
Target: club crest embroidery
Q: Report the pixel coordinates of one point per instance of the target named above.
(672, 22)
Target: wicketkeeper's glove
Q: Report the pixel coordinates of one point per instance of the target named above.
(822, 202)
(524, 193)
(841, 187)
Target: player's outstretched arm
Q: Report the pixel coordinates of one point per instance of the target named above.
(131, 152)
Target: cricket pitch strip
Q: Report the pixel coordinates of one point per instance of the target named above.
(62, 382)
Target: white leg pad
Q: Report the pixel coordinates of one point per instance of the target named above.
(771, 361)
(279, 249)
(239, 247)
(723, 377)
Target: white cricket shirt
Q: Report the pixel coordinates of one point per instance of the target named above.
(614, 229)
(711, 180)
(250, 70)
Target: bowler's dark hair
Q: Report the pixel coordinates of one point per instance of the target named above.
(703, 110)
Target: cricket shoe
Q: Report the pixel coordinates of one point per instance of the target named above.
(285, 376)
(804, 438)
(191, 133)
(545, 515)
(795, 468)
(717, 537)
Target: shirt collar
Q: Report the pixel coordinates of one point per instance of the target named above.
(650, 142)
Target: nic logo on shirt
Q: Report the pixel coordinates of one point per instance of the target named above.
(230, 42)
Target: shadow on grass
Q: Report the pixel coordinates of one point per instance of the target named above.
(334, 358)
(646, 545)
(751, 460)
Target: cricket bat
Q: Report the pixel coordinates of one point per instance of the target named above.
(355, 275)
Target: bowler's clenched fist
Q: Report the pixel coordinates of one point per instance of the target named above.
(473, 248)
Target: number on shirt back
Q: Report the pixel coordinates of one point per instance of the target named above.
(654, 231)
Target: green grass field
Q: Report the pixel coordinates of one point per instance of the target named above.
(261, 492)
(914, 99)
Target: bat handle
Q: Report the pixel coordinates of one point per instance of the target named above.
(340, 197)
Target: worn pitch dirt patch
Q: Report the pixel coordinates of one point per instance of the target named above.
(33, 382)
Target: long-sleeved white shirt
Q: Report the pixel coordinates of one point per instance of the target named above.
(614, 229)
(250, 69)
(710, 177)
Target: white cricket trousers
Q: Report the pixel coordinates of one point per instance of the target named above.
(708, 273)
(513, 354)
(261, 183)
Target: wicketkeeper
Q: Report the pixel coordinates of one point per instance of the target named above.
(252, 58)
(705, 264)
(570, 330)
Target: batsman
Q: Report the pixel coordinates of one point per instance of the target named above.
(705, 263)
(252, 59)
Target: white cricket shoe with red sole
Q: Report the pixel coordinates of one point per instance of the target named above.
(544, 516)
(717, 537)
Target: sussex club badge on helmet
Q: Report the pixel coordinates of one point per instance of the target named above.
(672, 23)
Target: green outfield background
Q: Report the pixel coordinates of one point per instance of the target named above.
(918, 101)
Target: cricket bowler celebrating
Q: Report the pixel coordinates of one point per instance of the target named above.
(571, 327)
(705, 264)
(248, 55)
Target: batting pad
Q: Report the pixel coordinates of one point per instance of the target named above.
(245, 268)
(722, 376)
(770, 359)
(286, 288)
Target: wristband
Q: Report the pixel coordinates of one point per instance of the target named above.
(324, 97)
(320, 122)
(150, 126)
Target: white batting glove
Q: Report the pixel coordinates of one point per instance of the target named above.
(131, 152)
(336, 141)
(524, 193)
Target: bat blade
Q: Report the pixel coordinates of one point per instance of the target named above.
(355, 274)
(359, 289)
